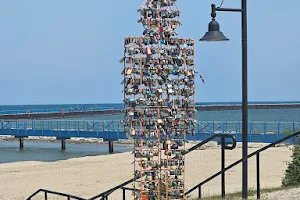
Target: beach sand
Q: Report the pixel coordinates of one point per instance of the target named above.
(89, 176)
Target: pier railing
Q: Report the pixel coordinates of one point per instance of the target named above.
(105, 195)
(63, 125)
(256, 130)
(224, 169)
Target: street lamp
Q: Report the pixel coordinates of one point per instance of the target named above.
(214, 34)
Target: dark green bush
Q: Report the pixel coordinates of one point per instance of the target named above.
(292, 174)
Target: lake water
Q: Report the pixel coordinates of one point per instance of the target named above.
(227, 115)
(50, 151)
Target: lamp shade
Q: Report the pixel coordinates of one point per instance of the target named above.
(214, 33)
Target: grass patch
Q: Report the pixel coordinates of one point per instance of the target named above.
(251, 194)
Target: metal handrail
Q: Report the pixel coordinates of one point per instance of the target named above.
(108, 192)
(105, 194)
(46, 192)
(241, 160)
(206, 127)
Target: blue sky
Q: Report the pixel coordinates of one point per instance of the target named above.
(67, 51)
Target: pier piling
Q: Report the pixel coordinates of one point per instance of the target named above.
(110, 146)
(21, 143)
(63, 144)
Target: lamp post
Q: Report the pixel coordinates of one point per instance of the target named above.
(214, 34)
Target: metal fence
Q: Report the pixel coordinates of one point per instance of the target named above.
(63, 125)
(202, 127)
(235, 127)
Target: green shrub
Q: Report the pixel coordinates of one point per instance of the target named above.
(289, 131)
(292, 174)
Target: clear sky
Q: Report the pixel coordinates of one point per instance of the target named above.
(68, 51)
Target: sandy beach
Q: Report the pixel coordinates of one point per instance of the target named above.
(88, 176)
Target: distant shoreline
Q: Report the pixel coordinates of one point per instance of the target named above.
(218, 107)
(199, 107)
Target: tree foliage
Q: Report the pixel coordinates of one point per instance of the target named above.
(292, 174)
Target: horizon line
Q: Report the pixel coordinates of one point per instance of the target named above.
(204, 102)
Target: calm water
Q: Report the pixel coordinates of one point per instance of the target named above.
(50, 151)
(227, 115)
(82, 106)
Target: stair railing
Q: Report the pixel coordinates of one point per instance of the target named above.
(46, 192)
(222, 172)
(104, 195)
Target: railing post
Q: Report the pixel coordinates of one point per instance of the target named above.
(124, 194)
(223, 167)
(199, 192)
(69, 127)
(59, 126)
(33, 126)
(222, 127)
(77, 127)
(46, 196)
(265, 131)
(50, 124)
(257, 177)
(17, 127)
(25, 127)
(9, 127)
(42, 126)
